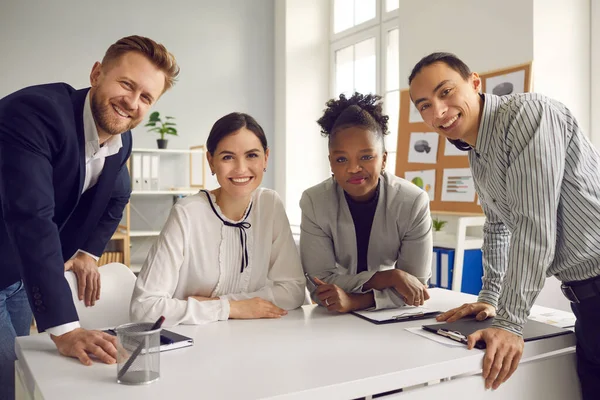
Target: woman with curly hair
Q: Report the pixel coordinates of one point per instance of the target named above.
(366, 233)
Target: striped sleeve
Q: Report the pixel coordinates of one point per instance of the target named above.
(494, 256)
(533, 183)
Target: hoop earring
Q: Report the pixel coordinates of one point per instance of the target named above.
(212, 173)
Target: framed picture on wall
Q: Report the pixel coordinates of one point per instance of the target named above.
(508, 81)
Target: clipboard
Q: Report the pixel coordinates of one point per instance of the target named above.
(401, 314)
(459, 330)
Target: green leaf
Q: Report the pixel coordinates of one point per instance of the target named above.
(155, 129)
(170, 117)
(154, 117)
(151, 124)
(169, 124)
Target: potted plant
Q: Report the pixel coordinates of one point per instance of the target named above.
(166, 127)
(437, 225)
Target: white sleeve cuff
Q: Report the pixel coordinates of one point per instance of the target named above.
(387, 298)
(225, 308)
(96, 258)
(62, 329)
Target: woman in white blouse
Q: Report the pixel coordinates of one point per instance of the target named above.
(227, 253)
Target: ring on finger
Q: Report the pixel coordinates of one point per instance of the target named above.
(326, 302)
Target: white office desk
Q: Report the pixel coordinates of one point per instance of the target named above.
(308, 354)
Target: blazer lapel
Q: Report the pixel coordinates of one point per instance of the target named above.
(78, 98)
(107, 178)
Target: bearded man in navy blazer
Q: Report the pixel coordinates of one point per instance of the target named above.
(63, 187)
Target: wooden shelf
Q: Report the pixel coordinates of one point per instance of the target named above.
(118, 236)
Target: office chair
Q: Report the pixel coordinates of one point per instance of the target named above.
(117, 282)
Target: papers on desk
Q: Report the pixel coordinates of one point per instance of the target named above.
(406, 313)
(562, 319)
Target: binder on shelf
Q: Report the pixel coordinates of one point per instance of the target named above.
(443, 268)
(136, 171)
(146, 171)
(435, 270)
(154, 171)
(446, 268)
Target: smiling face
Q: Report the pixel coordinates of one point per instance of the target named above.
(238, 162)
(356, 158)
(448, 103)
(122, 93)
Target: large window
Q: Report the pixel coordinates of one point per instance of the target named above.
(365, 56)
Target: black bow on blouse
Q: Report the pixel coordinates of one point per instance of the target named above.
(242, 226)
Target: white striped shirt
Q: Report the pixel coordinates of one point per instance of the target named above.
(538, 179)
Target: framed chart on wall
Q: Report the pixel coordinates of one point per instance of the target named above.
(433, 163)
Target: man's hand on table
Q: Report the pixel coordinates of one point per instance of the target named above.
(81, 343)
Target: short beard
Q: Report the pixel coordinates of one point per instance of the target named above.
(100, 114)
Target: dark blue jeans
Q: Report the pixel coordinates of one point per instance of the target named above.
(587, 330)
(15, 320)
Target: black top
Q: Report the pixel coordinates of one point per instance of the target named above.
(362, 215)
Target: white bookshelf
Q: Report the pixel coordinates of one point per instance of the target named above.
(149, 208)
(136, 233)
(455, 237)
(184, 192)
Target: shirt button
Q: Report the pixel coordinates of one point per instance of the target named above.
(38, 302)
(493, 200)
(35, 289)
(37, 296)
(41, 309)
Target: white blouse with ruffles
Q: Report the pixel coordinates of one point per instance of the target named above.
(198, 255)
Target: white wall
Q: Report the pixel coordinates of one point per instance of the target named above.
(561, 50)
(301, 90)
(487, 35)
(225, 49)
(595, 71)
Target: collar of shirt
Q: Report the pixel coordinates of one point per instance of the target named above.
(491, 104)
(92, 141)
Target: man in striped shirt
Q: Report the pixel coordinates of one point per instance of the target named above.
(538, 180)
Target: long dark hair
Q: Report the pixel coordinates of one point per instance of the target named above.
(231, 123)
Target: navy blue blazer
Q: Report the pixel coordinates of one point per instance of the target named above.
(44, 218)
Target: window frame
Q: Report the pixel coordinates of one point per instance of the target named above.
(356, 28)
(378, 28)
(351, 40)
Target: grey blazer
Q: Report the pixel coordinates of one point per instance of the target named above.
(400, 236)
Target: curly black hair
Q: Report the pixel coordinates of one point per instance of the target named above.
(359, 110)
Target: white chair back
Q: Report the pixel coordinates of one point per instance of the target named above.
(117, 282)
